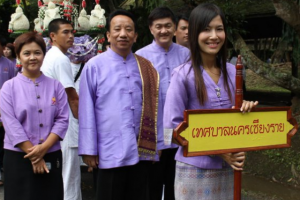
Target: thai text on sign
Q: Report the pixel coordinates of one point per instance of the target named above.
(215, 130)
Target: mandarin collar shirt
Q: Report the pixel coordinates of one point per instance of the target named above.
(110, 108)
(182, 96)
(7, 70)
(30, 111)
(164, 62)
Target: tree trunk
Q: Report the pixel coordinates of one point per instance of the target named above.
(288, 11)
(279, 53)
(275, 73)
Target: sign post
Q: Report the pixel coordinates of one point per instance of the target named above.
(238, 104)
(262, 128)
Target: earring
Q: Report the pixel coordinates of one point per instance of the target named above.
(18, 63)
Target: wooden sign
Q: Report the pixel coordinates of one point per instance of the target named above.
(208, 132)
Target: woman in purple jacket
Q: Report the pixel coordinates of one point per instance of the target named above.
(34, 111)
(205, 82)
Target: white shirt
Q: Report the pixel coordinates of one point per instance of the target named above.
(57, 65)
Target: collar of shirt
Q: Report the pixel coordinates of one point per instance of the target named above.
(116, 56)
(57, 49)
(161, 49)
(24, 78)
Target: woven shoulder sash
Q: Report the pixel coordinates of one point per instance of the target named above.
(148, 126)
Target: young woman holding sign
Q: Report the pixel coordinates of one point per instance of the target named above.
(205, 82)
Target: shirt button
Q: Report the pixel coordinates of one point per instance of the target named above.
(133, 125)
(124, 62)
(132, 107)
(168, 67)
(130, 91)
(127, 76)
(41, 125)
(40, 110)
(38, 96)
(36, 84)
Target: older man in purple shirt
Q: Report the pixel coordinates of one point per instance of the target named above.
(165, 56)
(118, 122)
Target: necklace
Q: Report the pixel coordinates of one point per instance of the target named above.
(213, 72)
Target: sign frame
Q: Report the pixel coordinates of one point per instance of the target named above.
(184, 125)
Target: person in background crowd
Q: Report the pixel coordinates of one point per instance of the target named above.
(165, 56)
(58, 66)
(34, 111)
(6, 73)
(205, 82)
(120, 115)
(6, 66)
(9, 52)
(181, 33)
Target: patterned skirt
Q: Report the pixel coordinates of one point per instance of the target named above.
(193, 183)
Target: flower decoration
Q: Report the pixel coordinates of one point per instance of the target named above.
(48, 43)
(84, 48)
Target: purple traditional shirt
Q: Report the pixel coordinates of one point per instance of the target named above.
(110, 107)
(7, 70)
(164, 62)
(182, 96)
(31, 111)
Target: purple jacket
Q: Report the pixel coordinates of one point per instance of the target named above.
(182, 96)
(164, 62)
(110, 107)
(31, 111)
(7, 70)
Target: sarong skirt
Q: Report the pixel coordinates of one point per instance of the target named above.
(193, 183)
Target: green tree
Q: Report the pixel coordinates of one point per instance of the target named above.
(7, 7)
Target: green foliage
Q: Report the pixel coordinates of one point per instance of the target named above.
(144, 35)
(151, 4)
(15, 34)
(291, 37)
(282, 164)
(7, 7)
(284, 157)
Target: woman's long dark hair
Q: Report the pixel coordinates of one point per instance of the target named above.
(199, 19)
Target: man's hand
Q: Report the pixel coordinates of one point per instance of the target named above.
(91, 161)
